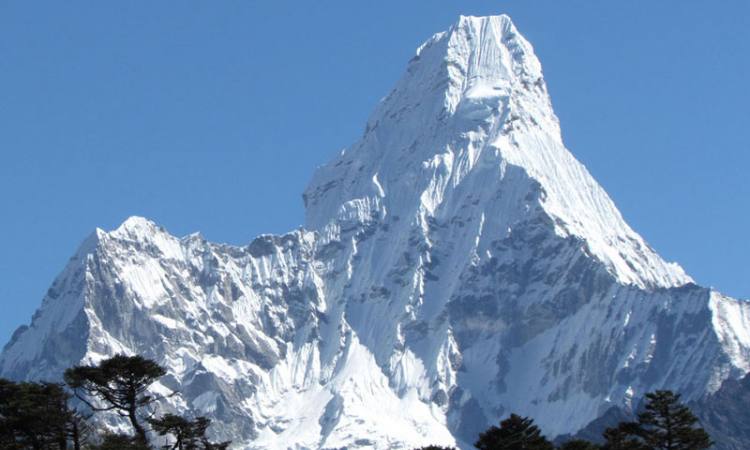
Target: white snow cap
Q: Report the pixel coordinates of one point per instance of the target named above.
(460, 264)
(474, 97)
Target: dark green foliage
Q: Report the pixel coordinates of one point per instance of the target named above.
(119, 442)
(37, 416)
(623, 437)
(176, 426)
(579, 444)
(200, 425)
(515, 433)
(181, 430)
(34, 416)
(188, 434)
(121, 382)
(666, 424)
(216, 445)
(78, 429)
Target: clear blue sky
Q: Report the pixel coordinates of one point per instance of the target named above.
(211, 116)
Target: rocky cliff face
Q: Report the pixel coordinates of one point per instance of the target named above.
(725, 416)
(457, 264)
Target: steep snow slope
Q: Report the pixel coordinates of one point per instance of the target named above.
(457, 264)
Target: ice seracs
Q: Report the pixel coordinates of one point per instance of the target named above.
(457, 264)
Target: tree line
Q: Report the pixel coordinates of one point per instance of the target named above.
(43, 416)
(664, 424)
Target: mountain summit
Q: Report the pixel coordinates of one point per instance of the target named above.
(473, 106)
(457, 264)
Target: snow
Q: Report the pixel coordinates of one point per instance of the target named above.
(731, 323)
(219, 366)
(166, 321)
(492, 77)
(457, 264)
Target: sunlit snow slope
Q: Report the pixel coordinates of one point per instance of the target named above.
(457, 264)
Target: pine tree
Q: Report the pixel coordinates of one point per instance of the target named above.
(121, 382)
(182, 430)
(188, 434)
(33, 415)
(201, 424)
(515, 433)
(623, 437)
(119, 442)
(78, 430)
(667, 424)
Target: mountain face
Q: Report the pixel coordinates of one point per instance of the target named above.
(725, 415)
(457, 264)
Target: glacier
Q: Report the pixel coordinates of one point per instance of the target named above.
(457, 264)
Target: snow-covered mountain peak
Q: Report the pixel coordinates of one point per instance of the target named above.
(485, 56)
(144, 234)
(136, 227)
(470, 112)
(458, 264)
(456, 80)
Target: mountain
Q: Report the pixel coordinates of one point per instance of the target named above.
(457, 264)
(725, 416)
